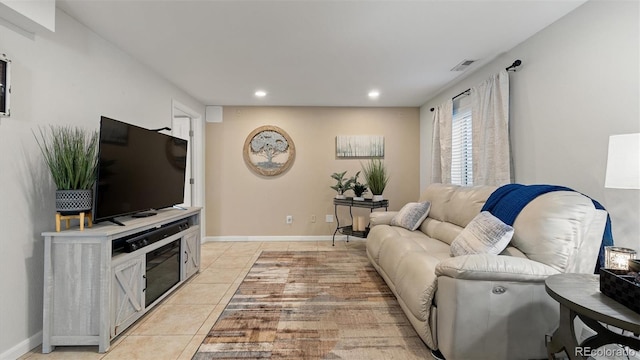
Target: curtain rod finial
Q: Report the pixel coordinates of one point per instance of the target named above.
(515, 64)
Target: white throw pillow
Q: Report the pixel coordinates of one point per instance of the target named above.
(485, 234)
(411, 215)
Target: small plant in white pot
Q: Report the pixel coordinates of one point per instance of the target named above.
(71, 154)
(376, 176)
(342, 184)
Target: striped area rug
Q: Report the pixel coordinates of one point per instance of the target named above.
(312, 305)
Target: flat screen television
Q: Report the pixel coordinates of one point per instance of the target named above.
(139, 170)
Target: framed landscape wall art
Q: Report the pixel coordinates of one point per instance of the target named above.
(269, 150)
(360, 146)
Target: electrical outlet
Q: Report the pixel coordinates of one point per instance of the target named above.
(328, 218)
(313, 218)
(289, 219)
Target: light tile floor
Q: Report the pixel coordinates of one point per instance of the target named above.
(176, 327)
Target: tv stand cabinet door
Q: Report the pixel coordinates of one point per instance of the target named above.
(127, 294)
(190, 254)
(74, 291)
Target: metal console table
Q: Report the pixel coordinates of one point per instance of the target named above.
(348, 229)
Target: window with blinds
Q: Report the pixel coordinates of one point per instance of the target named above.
(461, 145)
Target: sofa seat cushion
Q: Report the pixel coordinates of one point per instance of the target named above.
(380, 234)
(416, 282)
(392, 253)
(433, 247)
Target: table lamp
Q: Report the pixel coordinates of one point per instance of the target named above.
(623, 172)
(623, 162)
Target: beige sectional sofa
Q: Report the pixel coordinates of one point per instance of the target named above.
(485, 306)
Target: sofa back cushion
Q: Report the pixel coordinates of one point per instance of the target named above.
(452, 208)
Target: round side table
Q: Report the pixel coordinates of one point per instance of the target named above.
(579, 295)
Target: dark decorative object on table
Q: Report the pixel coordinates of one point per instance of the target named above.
(621, 287)
(634, 268)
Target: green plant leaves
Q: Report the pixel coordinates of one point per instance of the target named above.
(376, 175)
(71, 154)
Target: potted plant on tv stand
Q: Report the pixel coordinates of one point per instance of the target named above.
(377, 177)
(71, 156)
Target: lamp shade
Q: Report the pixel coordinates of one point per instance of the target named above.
(623, 162)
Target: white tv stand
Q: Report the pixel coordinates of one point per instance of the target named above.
(91, 295)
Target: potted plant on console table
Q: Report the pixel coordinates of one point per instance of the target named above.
(71, 155)
(377, 177)
(342, 184)
(358, 188)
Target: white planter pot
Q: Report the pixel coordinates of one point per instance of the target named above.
(358, 198)
(340, 197)
(377, 198)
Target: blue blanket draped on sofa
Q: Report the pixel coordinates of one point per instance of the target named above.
(508, 200)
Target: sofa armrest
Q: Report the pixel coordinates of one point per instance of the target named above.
(494, 268)
(381, 218)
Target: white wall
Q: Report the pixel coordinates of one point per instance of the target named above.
(68, 77)
(579, 83)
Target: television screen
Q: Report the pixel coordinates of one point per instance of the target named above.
(138, 170)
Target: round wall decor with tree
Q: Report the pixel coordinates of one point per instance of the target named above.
(269, 150)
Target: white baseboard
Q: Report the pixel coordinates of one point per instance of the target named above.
(273, 238)
(23, 347)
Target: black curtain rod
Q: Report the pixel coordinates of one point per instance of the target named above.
(513, 67)
(464, 93)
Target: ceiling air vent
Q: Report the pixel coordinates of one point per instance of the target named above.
(463, 65)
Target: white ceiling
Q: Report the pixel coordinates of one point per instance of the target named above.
(314, 53)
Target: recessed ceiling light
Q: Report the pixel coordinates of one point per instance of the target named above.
(374, 94)
(261, 93)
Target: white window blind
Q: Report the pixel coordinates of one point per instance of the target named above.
(461, 146)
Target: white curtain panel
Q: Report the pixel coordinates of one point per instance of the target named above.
(441, 143)
(490, 132)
